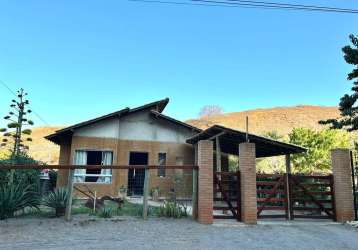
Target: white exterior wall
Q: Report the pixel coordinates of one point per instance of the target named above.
(107, 129)
(140, 126)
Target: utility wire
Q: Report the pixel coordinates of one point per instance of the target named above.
(279, 6)
(12, 92)
(254, 4)
(288, 4)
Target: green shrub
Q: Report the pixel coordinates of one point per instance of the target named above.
(57, 199)
(172, 209)
(106, 212)
(16, 197)
(25, 176)
(53, 179)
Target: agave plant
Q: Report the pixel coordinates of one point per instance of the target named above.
(57, 200)
(15, 197)
(173, 209)
(106, 212)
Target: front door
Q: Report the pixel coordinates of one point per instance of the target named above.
(136, 176)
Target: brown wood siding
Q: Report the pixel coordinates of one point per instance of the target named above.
(62, 174)
(121, 150)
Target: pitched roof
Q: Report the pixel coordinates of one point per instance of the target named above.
(230, 140)
(170, 119)
(156, 108)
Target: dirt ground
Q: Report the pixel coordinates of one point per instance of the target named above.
(132, 233)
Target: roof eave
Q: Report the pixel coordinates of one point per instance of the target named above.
(175, 121)
(290, 147)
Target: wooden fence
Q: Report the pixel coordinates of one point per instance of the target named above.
(297, 196)
(71, 169)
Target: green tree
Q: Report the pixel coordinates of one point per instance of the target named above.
(347, 105)
(14, 135)
(274, 135)
(275, 164)
(319, 144)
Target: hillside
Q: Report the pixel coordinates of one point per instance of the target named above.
(282, 120)
(42, 149)
(279, 119)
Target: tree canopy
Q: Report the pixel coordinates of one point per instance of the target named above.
(210, 110)
(348, 103)
(318, 144)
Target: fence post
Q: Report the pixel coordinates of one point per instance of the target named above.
(354, 186)
(70, 194)
(205, 182)
(287, 188)
(195, 194)
(247, 166)
(341, 168)
(145, 193)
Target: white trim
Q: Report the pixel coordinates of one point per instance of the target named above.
(94, 175)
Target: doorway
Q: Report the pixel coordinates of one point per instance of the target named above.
(136, 176)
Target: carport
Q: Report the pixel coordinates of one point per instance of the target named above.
(239, 190)
(226, 142)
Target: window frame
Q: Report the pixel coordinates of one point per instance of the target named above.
(159, 173)
(93, 175)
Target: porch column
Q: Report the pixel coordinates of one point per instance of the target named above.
(247, 166)
(195, 185)
(342, 174)
(288, 198)
(205, 182)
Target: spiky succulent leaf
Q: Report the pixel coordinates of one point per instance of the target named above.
(27, 131)
(13, 125)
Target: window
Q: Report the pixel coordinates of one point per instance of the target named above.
(97, 175)
(162, 161)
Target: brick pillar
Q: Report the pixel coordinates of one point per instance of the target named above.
(342, 173)
(247, 167)
(205, 182)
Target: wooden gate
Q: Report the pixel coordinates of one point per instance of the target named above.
(312, 197)
(272, 196)
(227, 195)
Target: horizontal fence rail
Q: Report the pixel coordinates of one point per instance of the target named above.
(272, 196)
(312, 197)
(227, 195)
(178, 187)
(15, 166)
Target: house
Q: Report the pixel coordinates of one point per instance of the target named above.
(131, 136)
(145, 136)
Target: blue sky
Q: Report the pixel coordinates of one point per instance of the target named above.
(82, 59)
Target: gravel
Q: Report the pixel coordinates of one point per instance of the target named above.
(155, 233)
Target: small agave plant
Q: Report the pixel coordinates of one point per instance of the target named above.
(57, 200)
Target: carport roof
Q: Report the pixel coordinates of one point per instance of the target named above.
(230, 140)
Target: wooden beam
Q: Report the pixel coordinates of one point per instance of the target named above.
(288, 164)
(218, 154)
(195, 186)
(70, 194)
(33, 166)
(145, 194)
(218, 135)
(287, 187)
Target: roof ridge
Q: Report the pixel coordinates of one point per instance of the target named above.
(160, 106)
